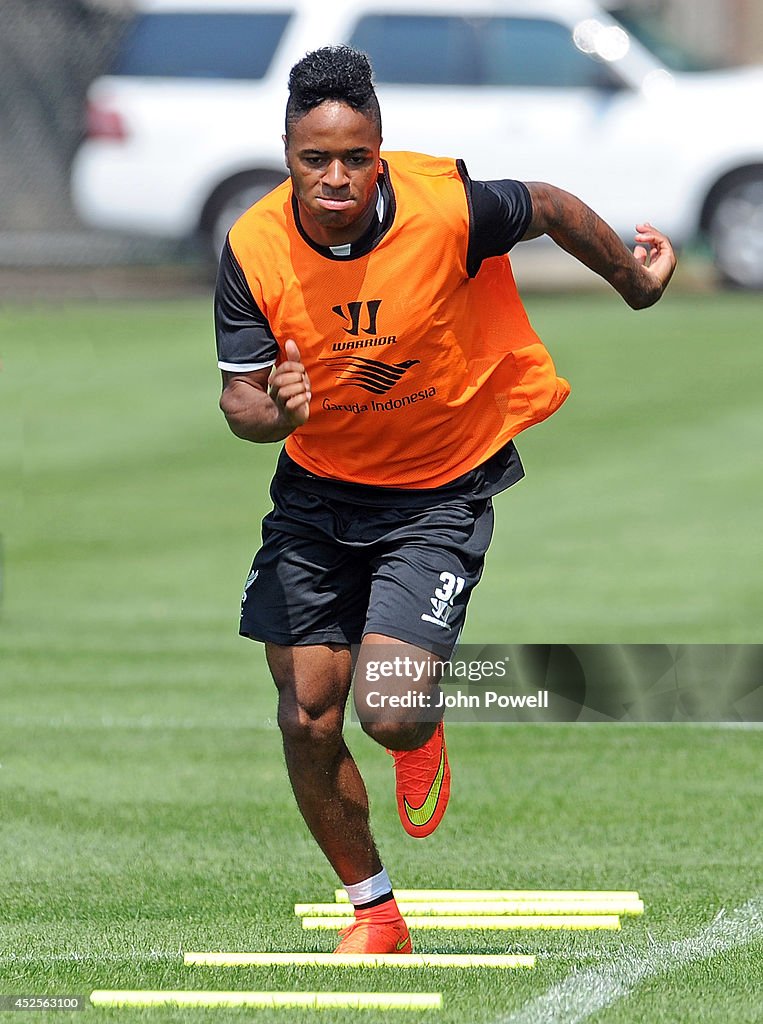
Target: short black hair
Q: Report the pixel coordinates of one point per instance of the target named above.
(332, 73)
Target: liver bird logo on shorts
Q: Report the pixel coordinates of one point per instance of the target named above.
(370, 374)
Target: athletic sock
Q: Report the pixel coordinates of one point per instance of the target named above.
(375, 903)
(370, 892)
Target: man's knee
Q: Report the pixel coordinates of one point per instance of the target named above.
(395, 691)
(313, 683)
(399, 735)
(313, 728)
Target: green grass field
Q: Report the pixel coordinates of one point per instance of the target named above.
(144, 807)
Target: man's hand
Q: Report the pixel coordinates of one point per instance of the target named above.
(289, 387)
(658, 259)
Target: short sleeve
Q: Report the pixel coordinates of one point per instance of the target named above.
(245, 341)
(501, 212)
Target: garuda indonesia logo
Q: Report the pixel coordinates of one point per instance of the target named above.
(370, 374)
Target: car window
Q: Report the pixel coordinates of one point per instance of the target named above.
(536, 52)
(419, 49)
(431, 50)
(184, 44)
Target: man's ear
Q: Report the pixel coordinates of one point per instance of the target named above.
(286, 151)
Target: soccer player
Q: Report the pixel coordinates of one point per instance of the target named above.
(366, 313)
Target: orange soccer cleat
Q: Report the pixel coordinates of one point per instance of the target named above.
(376, 930)
(423, 784)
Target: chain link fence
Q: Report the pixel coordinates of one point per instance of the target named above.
(50, 51)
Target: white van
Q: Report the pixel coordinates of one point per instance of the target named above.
(185, 132)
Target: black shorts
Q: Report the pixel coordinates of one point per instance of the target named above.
(331, 569)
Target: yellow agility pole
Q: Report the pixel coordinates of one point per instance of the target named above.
(308, 1000)
(484, 908)
(451, 895)
(407, 960)
(506, 922)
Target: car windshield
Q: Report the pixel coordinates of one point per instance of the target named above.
(651, 33)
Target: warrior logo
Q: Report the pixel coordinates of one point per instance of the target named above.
(354, 309)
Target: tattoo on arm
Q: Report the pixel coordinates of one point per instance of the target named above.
(576, 228)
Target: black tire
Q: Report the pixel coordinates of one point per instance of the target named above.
(735, 228)
(232, 199)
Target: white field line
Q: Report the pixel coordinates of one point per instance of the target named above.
(177, 955)
(140, 722)
(585, 992)
(153, 955)
(158, 722)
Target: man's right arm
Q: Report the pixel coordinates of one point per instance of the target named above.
(263, 399)
(267, 405)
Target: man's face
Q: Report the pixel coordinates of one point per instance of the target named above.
(333, 157)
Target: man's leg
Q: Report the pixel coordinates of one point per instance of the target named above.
(313, 683)
(409, 726)
(424, 570)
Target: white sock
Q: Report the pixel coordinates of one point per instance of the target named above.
(369, 889)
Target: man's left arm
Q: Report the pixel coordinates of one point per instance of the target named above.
(640, 276)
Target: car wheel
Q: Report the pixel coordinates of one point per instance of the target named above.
(735, 229)
(231, 200)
